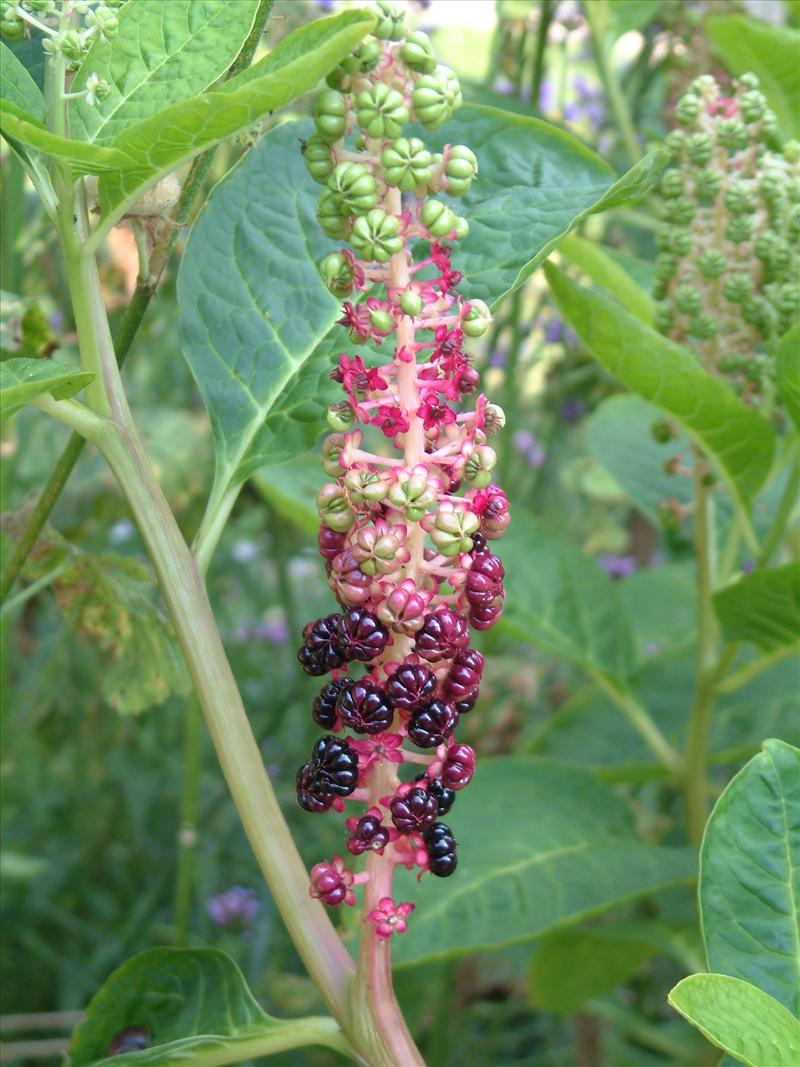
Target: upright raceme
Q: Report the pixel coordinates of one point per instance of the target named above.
(409, 513)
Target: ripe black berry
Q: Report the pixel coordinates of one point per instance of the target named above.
(445, 798)
(331, 772)
(464, 676)
(311, 663)
(433, 724)
(311, 793)
(369, 834)
(479, 546)
(324, 708)
(441, 846)
(467, 704)
(413, 812)
(365, 708)
(361, 634)
(411, 686)
(485, 580)
(442, 634)
(459, 767)
(321, 638)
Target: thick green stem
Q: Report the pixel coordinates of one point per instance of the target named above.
(187, 831)
(614, 94)
(700, 716)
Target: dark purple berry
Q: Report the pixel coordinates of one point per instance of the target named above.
(411, 686)
(459, 767)
(330, 542)
(311, 663)
(442, 635)
(322, 639)
(479, 546)
(441, 846)
(431, 725)
(324, 708)
(331, 772)
(369, 835)
(464, 676)
(467, 704)
(365, 708)
(361, 635)
(311, 793)
(413, 812)
(484, 618)
(445, 798)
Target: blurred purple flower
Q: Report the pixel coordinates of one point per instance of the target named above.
(271, 631)
(572, 409)
(236, 907)
(547, 96)
(504, 86)
(557, 332)
(530, 448)
(617, 567)
(748, 566)
(498, 357)
(244, 552)
(325, 5)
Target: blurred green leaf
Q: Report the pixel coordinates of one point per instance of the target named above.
(763, 607)
(662, 603)
(739, 440)
(17, 125)
(291, 489)
(739, 1018)
(627, 15)
(771, 52)
(750, 875)
(536, 183)
(23, 379)
(568, 852)
(191, 1006)
(561, 601)
(572, 966)
(157, 145)
(18, 87)
(591, 258)
(164, 52)
(787, 371)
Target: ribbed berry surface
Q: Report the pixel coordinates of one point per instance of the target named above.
(362, 636)
(442, 634)
(414, 812)
(365, 708)
(442, 847)
(369, 835)
(431, 725)
(323, 710)
(411, 686)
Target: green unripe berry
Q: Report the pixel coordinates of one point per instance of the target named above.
(662, 431)
(708, 184)
(739, 199)
(331, 218)
(375, 236)
(11, 27)
(495, 419)
(737, 288)
(712, 264)
(330, 115)
(666, 265)
(739, 230)
(765, 246)
(417, 53)
(679, 212)
(355, 187)
(749, 80)
(381, 321)
(332, 448)
(688, 300)
(431, 99)
(675, 144)
(664, 316)
(704, 86)
(770, 130)
(789, 301)
(704, 327)
(681, 243)
(338, 79)
(406, 164)
(700, 148)
(411, 302)
(791, 151)
(437, 218)
(341, 417)
(687, 109)
(793, 221)
(479, 466)
(390, 18)
(461, 168)
(477, 320)
(363, 59)
(337, 274)
(381, 111)
(659, 288)
(672, 184)
(319, 158)
(334, 508)
(453, 527)
(732, 134)
(753, 104)
(461, 228)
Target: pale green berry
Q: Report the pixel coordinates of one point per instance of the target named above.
(737, 288)
(680, 212)
(417, 53)
(477, 320)
(381, 321)
(334, 508)
(704, 327)
(688, 300)
(675, 144)
(460, 170)
(355, 187)
(414, 492)
(381, 112)
(332, 448)
(363, 59)
(707, 184)
(479, 466)
(376, 236)
(340, 416)
(432, 99)
(453, 528)
(739, 199)
(330, 115)
(411, 302)
(712, 264)
(365, 486)
(687, 109)
(732, 134)
(700, 148)
(739, 229)
(666, 265)
(390, 18)
(753, 104)
(672, 184)
(406, 164)
(331, 218)
(319, 158)
(337, 274)
(494, 419)
(461, 228)
(437, 218)
(664, 316)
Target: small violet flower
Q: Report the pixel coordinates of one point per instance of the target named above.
(236, 907)
(617, 566)
(390, 918)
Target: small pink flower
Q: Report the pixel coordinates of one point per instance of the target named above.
(433, 412)
(374, 749)
(409, 852)
(390, 918)
(391, 420)
(330, 883)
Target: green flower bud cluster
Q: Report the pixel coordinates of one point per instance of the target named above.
(726, 275)
(97, 20)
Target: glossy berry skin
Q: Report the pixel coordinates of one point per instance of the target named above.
(485, 581)
(331, 772)
(361, 635)
(411, 686)
(468, 703)
(324, 708)
(414, 812)
(459, 767)
(369, 835)
(445, 798)
(442, 635)
(364, 707)
(432, 724)
(311, 663)
(311, 796)
(330, 542)
(464, 676)
(441, 846)
(321, 638)
(484, 618)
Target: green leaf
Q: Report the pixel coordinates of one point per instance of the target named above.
(740, 441)
(770, 52)
(158, 144)
(18, 87)
(18, 125)
(627, 15)
(253, 310)
(291, 489)
(750, 876)
(739, 1018)
(568, 853)
(195, 1008)
(536, 183)
(164, 52)
(572, 966)
(592, 259)
(561, 601)
(23, 379)
(763, 607)
(787, 371)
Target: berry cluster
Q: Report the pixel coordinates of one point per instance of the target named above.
(727, 272)
(405, 537)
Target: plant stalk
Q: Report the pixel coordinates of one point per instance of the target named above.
(187, 831)
(616, 98)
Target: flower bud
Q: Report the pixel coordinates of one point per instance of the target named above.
(332, 448)
(437, 218)
(376, 236)
(417, 53)
(330, 116)
(381, 111)
(452, 528)
(477, 320)
(688, 300)
(390, 18)
(737, 288)
(334, 508)
(479, 466)
(331, 218)
(406, 164)
(704, 327)
(355, 187)
(460, 170)
(712, 264)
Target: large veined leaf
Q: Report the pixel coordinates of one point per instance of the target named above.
(164, 52)
(291, 489)
(750, 45)
(787, 368)
(160, 143)
(535, 183)
(763, 607)
(569, 852)
(593, 259)
(18, 87)
(186, 1006)
(750, 876)
(23, 379)
(561, 601)
(739, 1018)
(18, 125)
(740, 441)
